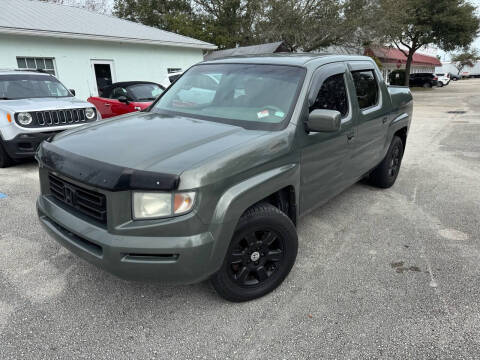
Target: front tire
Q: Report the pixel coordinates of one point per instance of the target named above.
(261, 254)
(385, 174)
(5, 159)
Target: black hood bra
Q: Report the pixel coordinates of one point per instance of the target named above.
(100, 174)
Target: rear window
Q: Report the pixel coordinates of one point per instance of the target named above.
(366, 87)
(144, 92)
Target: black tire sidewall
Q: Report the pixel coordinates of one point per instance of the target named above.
(380, 176)
(265, 216)
(5, 160)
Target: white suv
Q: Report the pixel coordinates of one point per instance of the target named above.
(443, 79)
(34, 106)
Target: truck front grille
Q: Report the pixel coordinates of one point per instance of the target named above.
(57, 117)
(87, 202)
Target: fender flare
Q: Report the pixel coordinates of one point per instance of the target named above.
(233, 203)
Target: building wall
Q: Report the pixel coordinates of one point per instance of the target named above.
(73, 59)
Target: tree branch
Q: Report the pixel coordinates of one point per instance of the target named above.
(399, 48)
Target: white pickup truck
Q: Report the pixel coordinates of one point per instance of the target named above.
(34, 106)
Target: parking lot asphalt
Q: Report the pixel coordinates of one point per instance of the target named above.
(380, 273)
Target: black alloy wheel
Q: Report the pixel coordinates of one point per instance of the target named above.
(396, 159)
(261, 254)
(255, 257)
(385, 174)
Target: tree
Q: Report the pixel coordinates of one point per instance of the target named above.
(228, 23)
(305, 25)
(99, 6)
(466, 58)
(411, 24)
(156, 13)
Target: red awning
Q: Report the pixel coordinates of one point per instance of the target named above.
(393, 55)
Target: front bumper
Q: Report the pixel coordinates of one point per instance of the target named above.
(180, 260)
(25, 145)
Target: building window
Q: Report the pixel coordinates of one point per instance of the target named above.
(30, 63)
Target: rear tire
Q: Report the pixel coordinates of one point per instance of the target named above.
(261, 254)
(5, 159)
(427, 85)
(385, 174)
(440, 84)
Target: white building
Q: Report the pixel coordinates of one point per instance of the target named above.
(86, 50)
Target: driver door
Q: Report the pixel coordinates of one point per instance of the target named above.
(117, 107)
(324, 155)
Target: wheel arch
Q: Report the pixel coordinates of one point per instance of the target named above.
(270, 186)
(402, 133)
(278, 187)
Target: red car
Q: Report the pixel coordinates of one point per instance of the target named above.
(125, 97)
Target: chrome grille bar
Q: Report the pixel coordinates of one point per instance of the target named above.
(58, 117)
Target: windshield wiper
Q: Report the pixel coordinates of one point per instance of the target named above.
(148, 99)
(5, 98)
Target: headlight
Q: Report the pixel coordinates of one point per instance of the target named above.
(24, 118)
(153, 205)
(90, 113)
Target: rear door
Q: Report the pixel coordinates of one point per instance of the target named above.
(372, 119)
(325, 155)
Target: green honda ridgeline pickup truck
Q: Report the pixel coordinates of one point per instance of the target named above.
(209, 182)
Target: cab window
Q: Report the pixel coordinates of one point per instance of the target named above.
(332, 95)
(366, 87)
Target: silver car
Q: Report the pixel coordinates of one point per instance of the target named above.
(34, 106)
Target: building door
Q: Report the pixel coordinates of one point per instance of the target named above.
(104, 74)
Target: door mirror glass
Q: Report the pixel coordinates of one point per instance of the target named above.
(72, 91)
(123, 99)
(320, 120)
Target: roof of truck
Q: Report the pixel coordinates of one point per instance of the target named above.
(295, 59)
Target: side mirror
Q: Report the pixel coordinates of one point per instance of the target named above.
(72, 91)
(123, 99)
(320, 120)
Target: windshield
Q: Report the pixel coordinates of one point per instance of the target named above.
(23, 86)
(259, 96)
(144, 92)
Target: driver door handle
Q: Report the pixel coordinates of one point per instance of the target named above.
(106, 104)
(385, 119)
